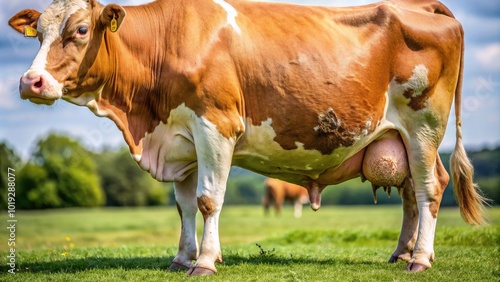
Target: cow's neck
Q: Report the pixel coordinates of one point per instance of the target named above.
(152, 63)
(135, 93)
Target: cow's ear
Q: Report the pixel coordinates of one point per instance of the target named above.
(22, 20)
(112, 16)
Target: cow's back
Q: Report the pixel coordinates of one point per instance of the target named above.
(351, 56)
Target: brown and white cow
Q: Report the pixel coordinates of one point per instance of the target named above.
(305, 94)
(277, 191)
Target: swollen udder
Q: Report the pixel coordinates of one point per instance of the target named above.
(385, 163)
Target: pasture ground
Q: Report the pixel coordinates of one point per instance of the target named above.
(332, 244)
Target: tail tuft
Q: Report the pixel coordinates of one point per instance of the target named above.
(470, 201)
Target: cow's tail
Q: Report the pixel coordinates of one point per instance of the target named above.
(467, 193)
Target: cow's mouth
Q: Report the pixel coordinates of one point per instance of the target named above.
(41, 101)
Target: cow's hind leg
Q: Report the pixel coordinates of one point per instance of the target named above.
(185, 195)
(408, 235)
(430, 179)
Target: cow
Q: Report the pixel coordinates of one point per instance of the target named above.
(307, 94)
(277, 192)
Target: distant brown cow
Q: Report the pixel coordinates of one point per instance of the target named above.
(278, 192)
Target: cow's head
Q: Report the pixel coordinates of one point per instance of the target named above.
(70, 34)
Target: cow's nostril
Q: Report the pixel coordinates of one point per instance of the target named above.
(39, 83)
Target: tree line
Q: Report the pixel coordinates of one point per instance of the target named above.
(61, 172)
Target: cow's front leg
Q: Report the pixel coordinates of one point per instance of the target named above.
(185, 196)
(214, 152)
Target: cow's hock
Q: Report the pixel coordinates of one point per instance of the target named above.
(385, 163)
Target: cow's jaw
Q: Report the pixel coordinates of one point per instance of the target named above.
(37, 84)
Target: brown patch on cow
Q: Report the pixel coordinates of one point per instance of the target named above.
(330, 126)
(443, 178)
(434, 208)
(206, 206)
(417, 102)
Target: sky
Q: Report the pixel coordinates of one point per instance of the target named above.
(22, 123)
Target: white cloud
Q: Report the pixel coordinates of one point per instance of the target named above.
(488, 56)
(9, 99)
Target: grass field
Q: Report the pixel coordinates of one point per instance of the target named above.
(333, 244)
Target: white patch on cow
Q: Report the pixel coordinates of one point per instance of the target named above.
(168, 153)
(417, 82)
(136, 157)
(53, 89)
(88, 100)
(231, 14)
(368, 125)
(83, 100)
(358, 135)
(391, 117)
(94, 107)
(242, 122)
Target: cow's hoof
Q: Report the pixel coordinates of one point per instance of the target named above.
(393, 259)
(416, 267)
(174, 266)
(199, 271)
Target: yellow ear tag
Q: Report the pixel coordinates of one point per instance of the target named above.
(114, 25)
(29, 31)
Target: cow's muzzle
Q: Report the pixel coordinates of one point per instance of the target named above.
(38, 88)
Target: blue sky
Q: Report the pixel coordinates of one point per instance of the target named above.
(22, 123)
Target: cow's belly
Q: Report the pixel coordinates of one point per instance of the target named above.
(258, 151)
(377, 153)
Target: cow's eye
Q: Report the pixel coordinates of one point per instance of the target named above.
(82, 30)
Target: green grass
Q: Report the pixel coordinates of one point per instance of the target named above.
(333, 244)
